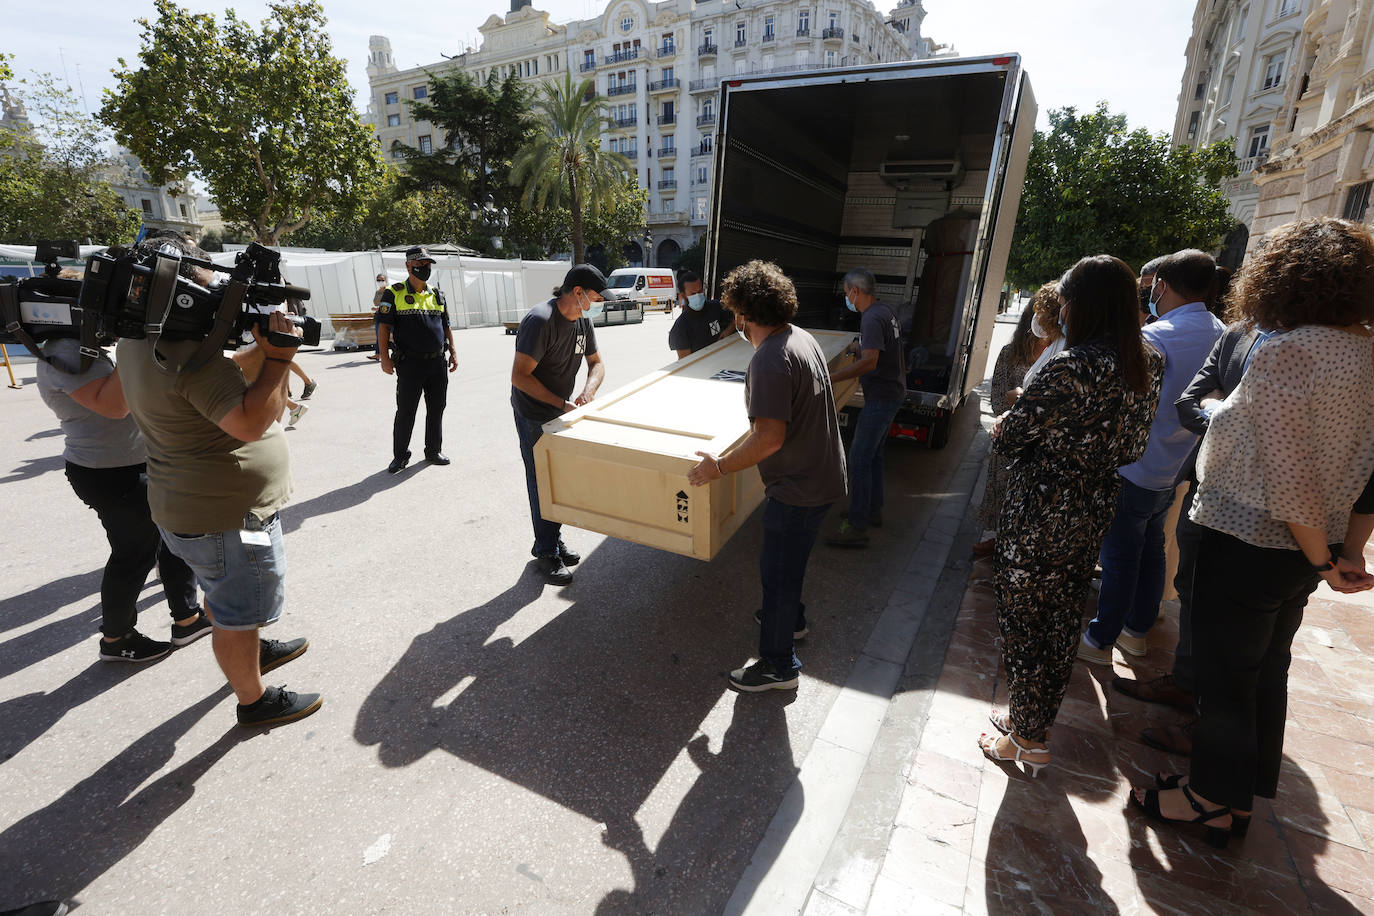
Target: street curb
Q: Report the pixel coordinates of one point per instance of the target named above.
(795, 846)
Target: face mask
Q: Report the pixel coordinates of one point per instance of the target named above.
(1153, 304)
(739, 329)
(1064, 323)
(1037, 328)
(420, 273)
(696, 302)
(849, 305)
(584, 302)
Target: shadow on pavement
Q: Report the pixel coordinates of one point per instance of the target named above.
(343, 498)
(32, 647)
(44, 434)
(39, 602)
(24, 719)
(58, 850)
(34, 467)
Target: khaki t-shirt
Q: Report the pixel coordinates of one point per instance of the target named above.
(200, 478)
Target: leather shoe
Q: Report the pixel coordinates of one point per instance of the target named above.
(1172, 739)
(554, 570)
(568, 556)
(1156, 690)
(398, 464)
(438, 458)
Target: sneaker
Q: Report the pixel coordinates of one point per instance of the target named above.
(184, 636)
(848, 536)
(308, 390)
(1093, 655)
(554, 569)
(875, 519)
(796, 634)
(567, 555)
(759, 677)
(277, 706)
(1132, 645)
(133, 647)
(296, 413)
(273, 653)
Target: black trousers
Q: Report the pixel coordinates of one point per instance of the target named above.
(1187, 535)
(417, 376)
(119, 497)
(1247, 607)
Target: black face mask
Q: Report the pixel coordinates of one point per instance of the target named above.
(420, 273)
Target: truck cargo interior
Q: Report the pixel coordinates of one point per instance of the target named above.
(889, 174)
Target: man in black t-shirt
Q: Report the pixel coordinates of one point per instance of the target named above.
(702, 322)
(553, 340)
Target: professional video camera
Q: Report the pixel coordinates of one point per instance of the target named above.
(38, 309)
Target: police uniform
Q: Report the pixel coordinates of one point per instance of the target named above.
(419, 336)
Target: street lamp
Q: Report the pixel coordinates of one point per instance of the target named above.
(490, 219)
(648, 247)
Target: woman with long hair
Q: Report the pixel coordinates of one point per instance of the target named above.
(1285, 499)
(1037, 329)
(1087, 413)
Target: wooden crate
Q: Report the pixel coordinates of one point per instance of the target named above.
(354, 331)
(619, 465)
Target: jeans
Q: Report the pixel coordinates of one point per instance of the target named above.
(1132, 565)
(1187, 534)
(243, 573)
(789, 533)
(416, 376)
(1248, 605)
(119, 497)
(866, 461)
(545, 533)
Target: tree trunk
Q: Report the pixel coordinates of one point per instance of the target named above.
(575, 200)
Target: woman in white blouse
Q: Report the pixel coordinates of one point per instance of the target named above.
(1284, 501)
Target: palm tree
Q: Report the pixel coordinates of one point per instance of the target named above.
(565, 156)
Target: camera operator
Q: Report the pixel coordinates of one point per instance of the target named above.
(218, 472)
(106, 467)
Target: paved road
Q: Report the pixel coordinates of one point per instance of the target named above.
(487, 745)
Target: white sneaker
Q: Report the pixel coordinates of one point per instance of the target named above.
(1132, 645)
(1093, 655)
(296, 413)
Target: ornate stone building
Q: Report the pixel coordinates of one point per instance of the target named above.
(658, 67)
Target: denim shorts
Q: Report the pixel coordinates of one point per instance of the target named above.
(243, 573)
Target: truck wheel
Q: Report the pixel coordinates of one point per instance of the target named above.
(939, 432)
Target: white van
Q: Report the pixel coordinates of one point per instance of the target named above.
(652, 287)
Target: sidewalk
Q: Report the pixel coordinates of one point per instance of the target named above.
(972, 837)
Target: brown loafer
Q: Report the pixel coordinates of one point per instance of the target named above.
(1156, 690)
(1172, 739)
(984, 548)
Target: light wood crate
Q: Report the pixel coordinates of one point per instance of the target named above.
(619, 465)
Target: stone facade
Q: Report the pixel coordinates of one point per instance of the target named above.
(657, 66)
(1238, 62)
(160, 206)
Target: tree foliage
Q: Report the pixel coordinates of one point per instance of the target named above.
(1094, 187)
(263, 116)
(564, 160)
(544, 233)
(54, 179)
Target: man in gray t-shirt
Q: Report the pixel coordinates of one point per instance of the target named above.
(794, 439)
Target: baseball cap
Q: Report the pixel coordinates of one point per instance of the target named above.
(587, 277)
(418, 253)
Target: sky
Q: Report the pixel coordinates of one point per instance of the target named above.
(1076, 51)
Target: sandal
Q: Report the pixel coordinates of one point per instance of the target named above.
(1000, 721)
(1216, 837)
(1240, 823)
(988, 744)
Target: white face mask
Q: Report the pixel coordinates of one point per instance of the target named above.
(739, 329)
(1037, 328)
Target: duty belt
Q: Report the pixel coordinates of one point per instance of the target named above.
(416, 354)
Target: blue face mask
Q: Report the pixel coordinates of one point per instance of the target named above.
(1063, 325)
(849, 305)
(1153, 304)
(696, 301)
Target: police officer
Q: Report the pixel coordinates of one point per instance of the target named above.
(412, 335)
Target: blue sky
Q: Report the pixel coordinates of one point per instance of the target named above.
(1077, 51)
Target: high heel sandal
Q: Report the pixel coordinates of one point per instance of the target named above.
(988, 744)
(1240, 823)
(1000, 721)
(1216, 837)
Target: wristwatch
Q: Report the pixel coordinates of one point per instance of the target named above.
(1329, 565)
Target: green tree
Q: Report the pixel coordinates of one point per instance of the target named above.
(263, 116)
(693, 257)
(564, 160)
(543, 233)
(483, 125)
(1093, 187)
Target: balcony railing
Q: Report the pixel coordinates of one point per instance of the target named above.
(622, 88)
(710, 84)
(741, 43)
(631, 154)
(707, 118)
(703, 149)
(667, 51)
(1250, 163)
(666, 119)
(832, 33)
(668, 152)
(672, 216)
(804, 32)
(705, 49)
(664, 85)
(620, 57)
(587, 66)
(768, 36)
(631, 121)
(667, 184)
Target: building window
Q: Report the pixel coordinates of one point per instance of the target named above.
(668, 203)
(1357, 202)
(1240, 24)
(830, 58)
(1259, 141)
(426, 144)
(1287, 6)
(767, 28)
(669, 43)
(183, 210)
(701, 174)
(392, 98)
(699, 208)
(627, 24)
(1228, 88)
(1192, 124)
(741, 33)
(588, 59)
(393, 120)
(834, 19)
(1200, 90)
(667, 74)
(803, 22)
(1273, 69)
(421, 92)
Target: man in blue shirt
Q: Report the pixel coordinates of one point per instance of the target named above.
(1132, 559)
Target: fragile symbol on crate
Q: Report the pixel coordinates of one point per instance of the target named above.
(682, 506)
(728, 375)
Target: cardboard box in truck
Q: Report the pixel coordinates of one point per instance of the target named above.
(913, 170)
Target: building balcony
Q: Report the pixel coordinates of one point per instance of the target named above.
(1250, 163)
(622, 123)
(707, 118)
(804, 34)
(668, 184)
(703, 149)
(707, 50)
(631, 155)
(706, 85)
(768, 36)
(668, 85)
(666, 119)
(622, 89)
(667, 51)
(832, 34)
(668, 152)
(586, 66)
(741, 44)
(672, 216)
(620, 57)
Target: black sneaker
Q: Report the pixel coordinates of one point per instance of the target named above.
(796, 634)
(273, 653)
(759, 677)
(308, 391)
(277, 706)
(184, 636)
(568, 556)
(554, 570)
(133, 647)
(398, 464)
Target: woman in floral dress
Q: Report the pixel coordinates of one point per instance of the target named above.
(1085, 414)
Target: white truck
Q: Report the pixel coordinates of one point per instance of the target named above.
(913, 170)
